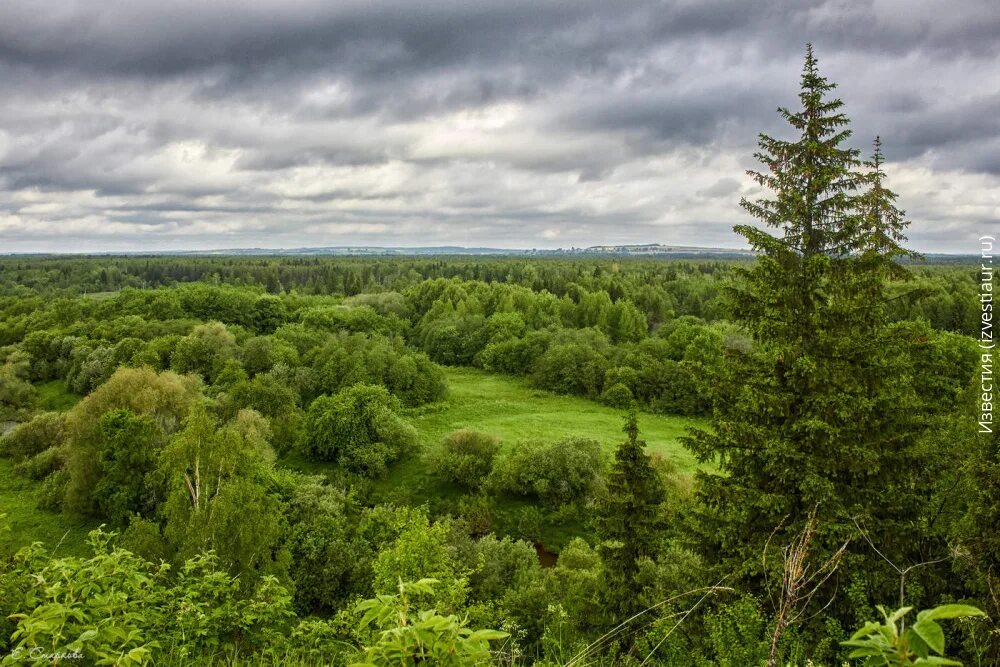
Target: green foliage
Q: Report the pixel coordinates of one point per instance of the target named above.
(347, 360)
(330, 560)
(422, 549)
(43, 464)
(359, 428)
(558, 473)
(617, 396)
(261, 353)
(115, 608)
(819, 414)
(628, 521)
(204, 351)
(571, 368)
(164, 398)
(892, 643)
(361, 319)
(17, 395)
(218, 496)
(465, 458)
(410, 637)
(44, 430)
(126, 454)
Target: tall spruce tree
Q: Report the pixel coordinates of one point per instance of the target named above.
(628, 522)
(818, 416)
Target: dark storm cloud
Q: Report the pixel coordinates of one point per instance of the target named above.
(567, 122)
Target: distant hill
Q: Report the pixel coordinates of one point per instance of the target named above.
(624, 250)
(639, 250)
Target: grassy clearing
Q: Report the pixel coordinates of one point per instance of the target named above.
(26, 523)
(514, 411)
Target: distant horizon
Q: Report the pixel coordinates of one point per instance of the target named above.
(401, 250)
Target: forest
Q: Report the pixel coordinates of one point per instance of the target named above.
(306, 460)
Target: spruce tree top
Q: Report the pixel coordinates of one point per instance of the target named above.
(811, 179)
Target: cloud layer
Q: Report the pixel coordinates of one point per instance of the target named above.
(137, 125)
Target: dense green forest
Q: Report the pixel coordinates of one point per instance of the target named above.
(501, 460)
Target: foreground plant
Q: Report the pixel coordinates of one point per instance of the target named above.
(893, 644)
(408, 638)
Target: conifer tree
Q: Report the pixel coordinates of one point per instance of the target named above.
(627, 521)
(819, 415)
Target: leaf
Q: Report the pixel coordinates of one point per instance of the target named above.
(868, 628)
(950, 611)
(931, 633)
(898, 614)
(936, 660)
(488, 635)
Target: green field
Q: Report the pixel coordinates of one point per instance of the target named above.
(512, 410)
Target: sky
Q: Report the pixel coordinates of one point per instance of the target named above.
(130, 125)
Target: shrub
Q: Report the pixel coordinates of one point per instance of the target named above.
(361, 319)
(516, 356)
(346, 360)
(568, 471)
(571, 368)
(43, 464)
(17, 396)
(33, 437)
(359, 428)
(204, 351)
(330, 563)
(116, 608)
(406, 636)
(465, 458)
(617, 396)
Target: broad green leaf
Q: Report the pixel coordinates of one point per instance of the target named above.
(931, 633)
(950, 611)
(866, 630)
(488, 634)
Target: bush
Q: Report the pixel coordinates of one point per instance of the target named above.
(116, 608)
(465, 458)
(359, 428)
(617, 396)
(17, 396)
(330, 563)
(346, 360)
(204, 351)
(571, 368)
(43, 464)
(516, 356)
(53, 491)
(560, 473)
(33, 437)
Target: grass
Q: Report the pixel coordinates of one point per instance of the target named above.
(512, 410)
(25, 523)
(54, 395)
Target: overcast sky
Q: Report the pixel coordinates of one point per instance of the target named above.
(176, 124)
